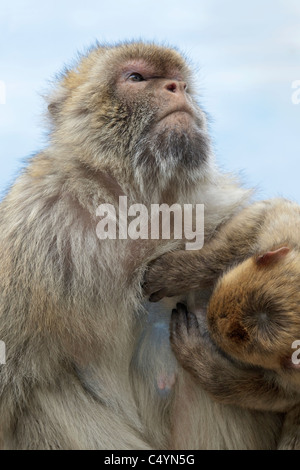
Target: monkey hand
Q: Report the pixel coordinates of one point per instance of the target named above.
(167, 276)
(189, 344)
(222, 378)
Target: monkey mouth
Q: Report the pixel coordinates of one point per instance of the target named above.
(182, 110)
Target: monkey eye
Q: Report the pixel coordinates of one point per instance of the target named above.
(136, 77)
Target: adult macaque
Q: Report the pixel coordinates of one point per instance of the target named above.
(83, 368)
(253, 314)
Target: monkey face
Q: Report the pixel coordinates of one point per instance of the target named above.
(172, 129)
(162, 92)
(254, 312)
(134, 105)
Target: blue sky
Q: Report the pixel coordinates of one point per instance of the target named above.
(246, 57)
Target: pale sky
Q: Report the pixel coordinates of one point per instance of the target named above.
(246, 57)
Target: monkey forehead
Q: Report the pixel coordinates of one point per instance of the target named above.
(151, 58)
(105, 61)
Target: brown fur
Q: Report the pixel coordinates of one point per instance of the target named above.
(253, 314)
(89, 364)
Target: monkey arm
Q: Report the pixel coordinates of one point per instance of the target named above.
(180, 271)
(224, 380)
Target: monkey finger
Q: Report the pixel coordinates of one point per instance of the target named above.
(156, 296)
(178, 328)
(182, 309)
(192, 324)
(146, 287)
(150, 287)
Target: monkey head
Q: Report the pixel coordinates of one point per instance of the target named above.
(254, 311)
(132, 106)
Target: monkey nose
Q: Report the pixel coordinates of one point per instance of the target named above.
(174, 87)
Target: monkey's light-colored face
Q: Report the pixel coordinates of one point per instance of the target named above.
(134, 102)
(172, 129)
(165, 92)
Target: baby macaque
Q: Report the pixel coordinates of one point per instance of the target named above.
(242, 350)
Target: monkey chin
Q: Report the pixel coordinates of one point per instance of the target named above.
(167, 152)
(175, 148)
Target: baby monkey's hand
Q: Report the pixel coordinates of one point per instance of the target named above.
(190, 343)
(168, 276)
(226, 381)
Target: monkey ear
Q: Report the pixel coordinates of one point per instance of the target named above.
(272, 256)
